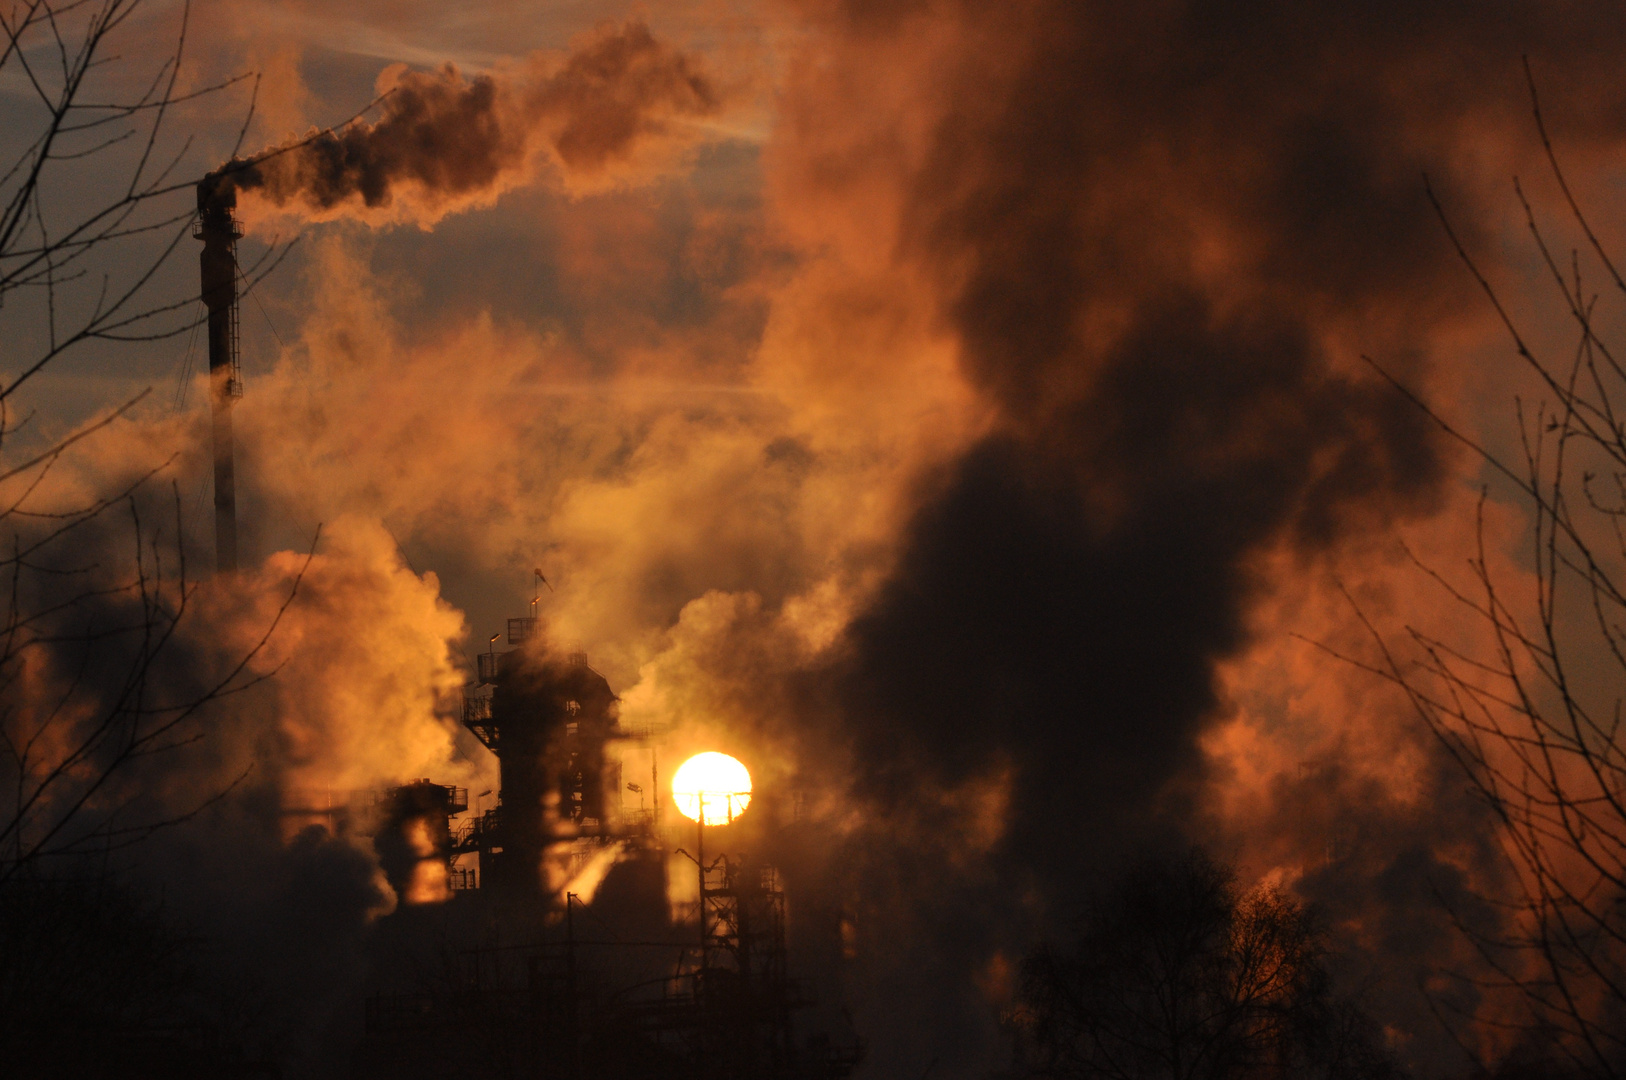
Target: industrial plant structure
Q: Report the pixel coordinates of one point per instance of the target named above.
(493, 966)
(541, 984)
(549, 721)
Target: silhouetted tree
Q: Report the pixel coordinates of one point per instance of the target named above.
(94, 681)
(1179, 974)
(92, 207)
(1535, 719)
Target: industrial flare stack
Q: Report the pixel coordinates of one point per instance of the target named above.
(219, 231)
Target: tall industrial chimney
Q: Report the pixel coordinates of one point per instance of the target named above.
(219, 231)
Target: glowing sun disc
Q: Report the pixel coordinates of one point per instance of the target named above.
(714, 783)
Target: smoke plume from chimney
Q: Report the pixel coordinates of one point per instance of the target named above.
(618, 106)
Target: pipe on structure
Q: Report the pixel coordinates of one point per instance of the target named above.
(219, 231)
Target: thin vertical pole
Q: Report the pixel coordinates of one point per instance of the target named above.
(700, 847)
(570, 985)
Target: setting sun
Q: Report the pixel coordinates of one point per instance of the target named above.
(712, 784)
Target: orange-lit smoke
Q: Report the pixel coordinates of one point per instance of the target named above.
(362, 661)
(619, 105)
(428, 884)
(1047, 330)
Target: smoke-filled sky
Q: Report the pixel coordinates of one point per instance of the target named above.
(956, 410)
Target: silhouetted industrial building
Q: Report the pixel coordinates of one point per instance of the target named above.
(507, 988)
(540, 985)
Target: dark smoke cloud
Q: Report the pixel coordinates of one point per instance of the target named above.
(1161, 235)
(449, 134)
(1157, 236)
(448, 139)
